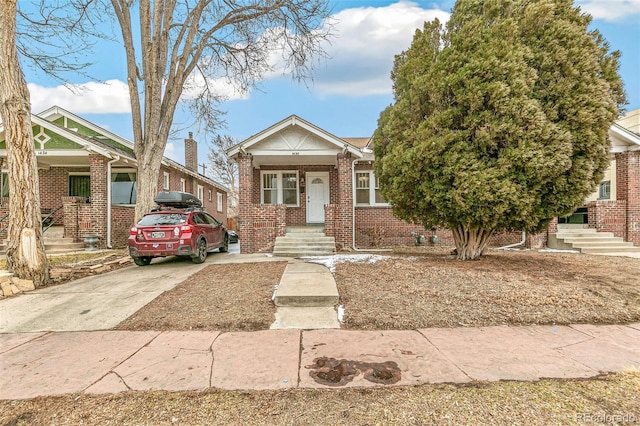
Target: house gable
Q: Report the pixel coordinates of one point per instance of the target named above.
(293, 141)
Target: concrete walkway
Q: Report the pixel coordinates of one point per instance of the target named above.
(35, 364)
(58, 340)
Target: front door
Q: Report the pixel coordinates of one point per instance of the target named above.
(317, 195)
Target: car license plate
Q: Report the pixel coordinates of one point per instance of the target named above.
(157, 235)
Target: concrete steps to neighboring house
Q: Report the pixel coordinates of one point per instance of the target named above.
(588, 240)
(54, 243)
(304, 241)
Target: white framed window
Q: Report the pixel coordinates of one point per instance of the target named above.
(201, 193)
(368, 190)
(165, 180)
(210, 196)
(604, 190)
(220, 202)
(183, 185)
(279, 187)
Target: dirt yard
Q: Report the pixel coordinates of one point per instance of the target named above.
(411, 291)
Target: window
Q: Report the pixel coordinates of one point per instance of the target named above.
(80, 186)
(123, 187)
(183, 185)
(367, 193)
(165, 181)
(279, 188)
(201, 193)
(4, 185)
(219, 202)
(604, 192)
(210, 196)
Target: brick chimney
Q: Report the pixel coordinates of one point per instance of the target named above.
(191, 153)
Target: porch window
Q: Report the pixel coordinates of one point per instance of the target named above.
(279, 188)
(368, 194)
(80, 186)
(604, 192)
(123, 187)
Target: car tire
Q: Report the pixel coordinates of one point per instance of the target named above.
(201, 252)
(142, 261)
(225, 245)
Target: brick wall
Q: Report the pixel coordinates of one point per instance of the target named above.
(121, 222)
(608, 216)
(628, 190)
(96, 221)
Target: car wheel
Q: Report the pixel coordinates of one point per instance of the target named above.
(225, 245)
(142, 261)
(201, 252)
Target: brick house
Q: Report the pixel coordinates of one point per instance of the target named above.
(295, 174)
(87, 178)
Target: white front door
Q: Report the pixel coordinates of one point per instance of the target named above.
(317, 195)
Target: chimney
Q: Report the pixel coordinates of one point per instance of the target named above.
(191, 153)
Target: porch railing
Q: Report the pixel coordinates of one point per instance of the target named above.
(48, 219)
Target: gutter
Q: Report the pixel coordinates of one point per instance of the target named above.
(524, 239)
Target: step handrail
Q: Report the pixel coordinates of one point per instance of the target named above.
(49, 220)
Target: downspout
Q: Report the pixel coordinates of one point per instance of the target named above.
(109, 246)
(524, 239)
(353, 210)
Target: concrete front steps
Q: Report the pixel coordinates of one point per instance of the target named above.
(588, 240)
(306, 298)
(304, 241)
(54, 243)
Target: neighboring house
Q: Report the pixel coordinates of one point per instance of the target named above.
(87, 178)
(296, 174)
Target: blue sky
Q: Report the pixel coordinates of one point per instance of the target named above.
(348, 90)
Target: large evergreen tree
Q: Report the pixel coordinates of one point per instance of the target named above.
(500, 120)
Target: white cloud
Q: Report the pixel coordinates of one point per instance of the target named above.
(610, 10)
(111, 96)
(368, 38)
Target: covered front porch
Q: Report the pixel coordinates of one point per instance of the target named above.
(294, 175)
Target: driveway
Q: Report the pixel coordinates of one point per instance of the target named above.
(99, 302)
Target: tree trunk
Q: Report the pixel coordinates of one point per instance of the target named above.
(25, 249)
(470, 242)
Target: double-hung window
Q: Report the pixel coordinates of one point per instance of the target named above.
(368, 190)
(604, 190)
(279, 188)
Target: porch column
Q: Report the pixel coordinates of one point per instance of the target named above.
(98, 168)
(344, 209)
(628, 189)
(245, 191)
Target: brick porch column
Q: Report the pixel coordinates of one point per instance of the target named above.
(245, 191)
(628, 189)
(98, 168)
(344, 209)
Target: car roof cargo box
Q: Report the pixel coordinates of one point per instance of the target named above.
(177, 199)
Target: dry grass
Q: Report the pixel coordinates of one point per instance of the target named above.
(426, 289)
(609, 399)
(220, 297)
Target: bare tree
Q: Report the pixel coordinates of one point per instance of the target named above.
(25, 249)
(225, 171)
(188, 45)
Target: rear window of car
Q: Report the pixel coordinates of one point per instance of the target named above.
(163, 219)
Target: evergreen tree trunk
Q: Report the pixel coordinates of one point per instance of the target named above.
(25, 249)
(470, 242)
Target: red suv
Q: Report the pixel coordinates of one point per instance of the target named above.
(178, 227)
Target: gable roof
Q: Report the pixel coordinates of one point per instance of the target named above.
(623, 139)
(101, 141)
(289, 122)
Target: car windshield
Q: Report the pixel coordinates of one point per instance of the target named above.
(163, 219)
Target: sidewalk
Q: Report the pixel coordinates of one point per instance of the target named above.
(35, 364)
